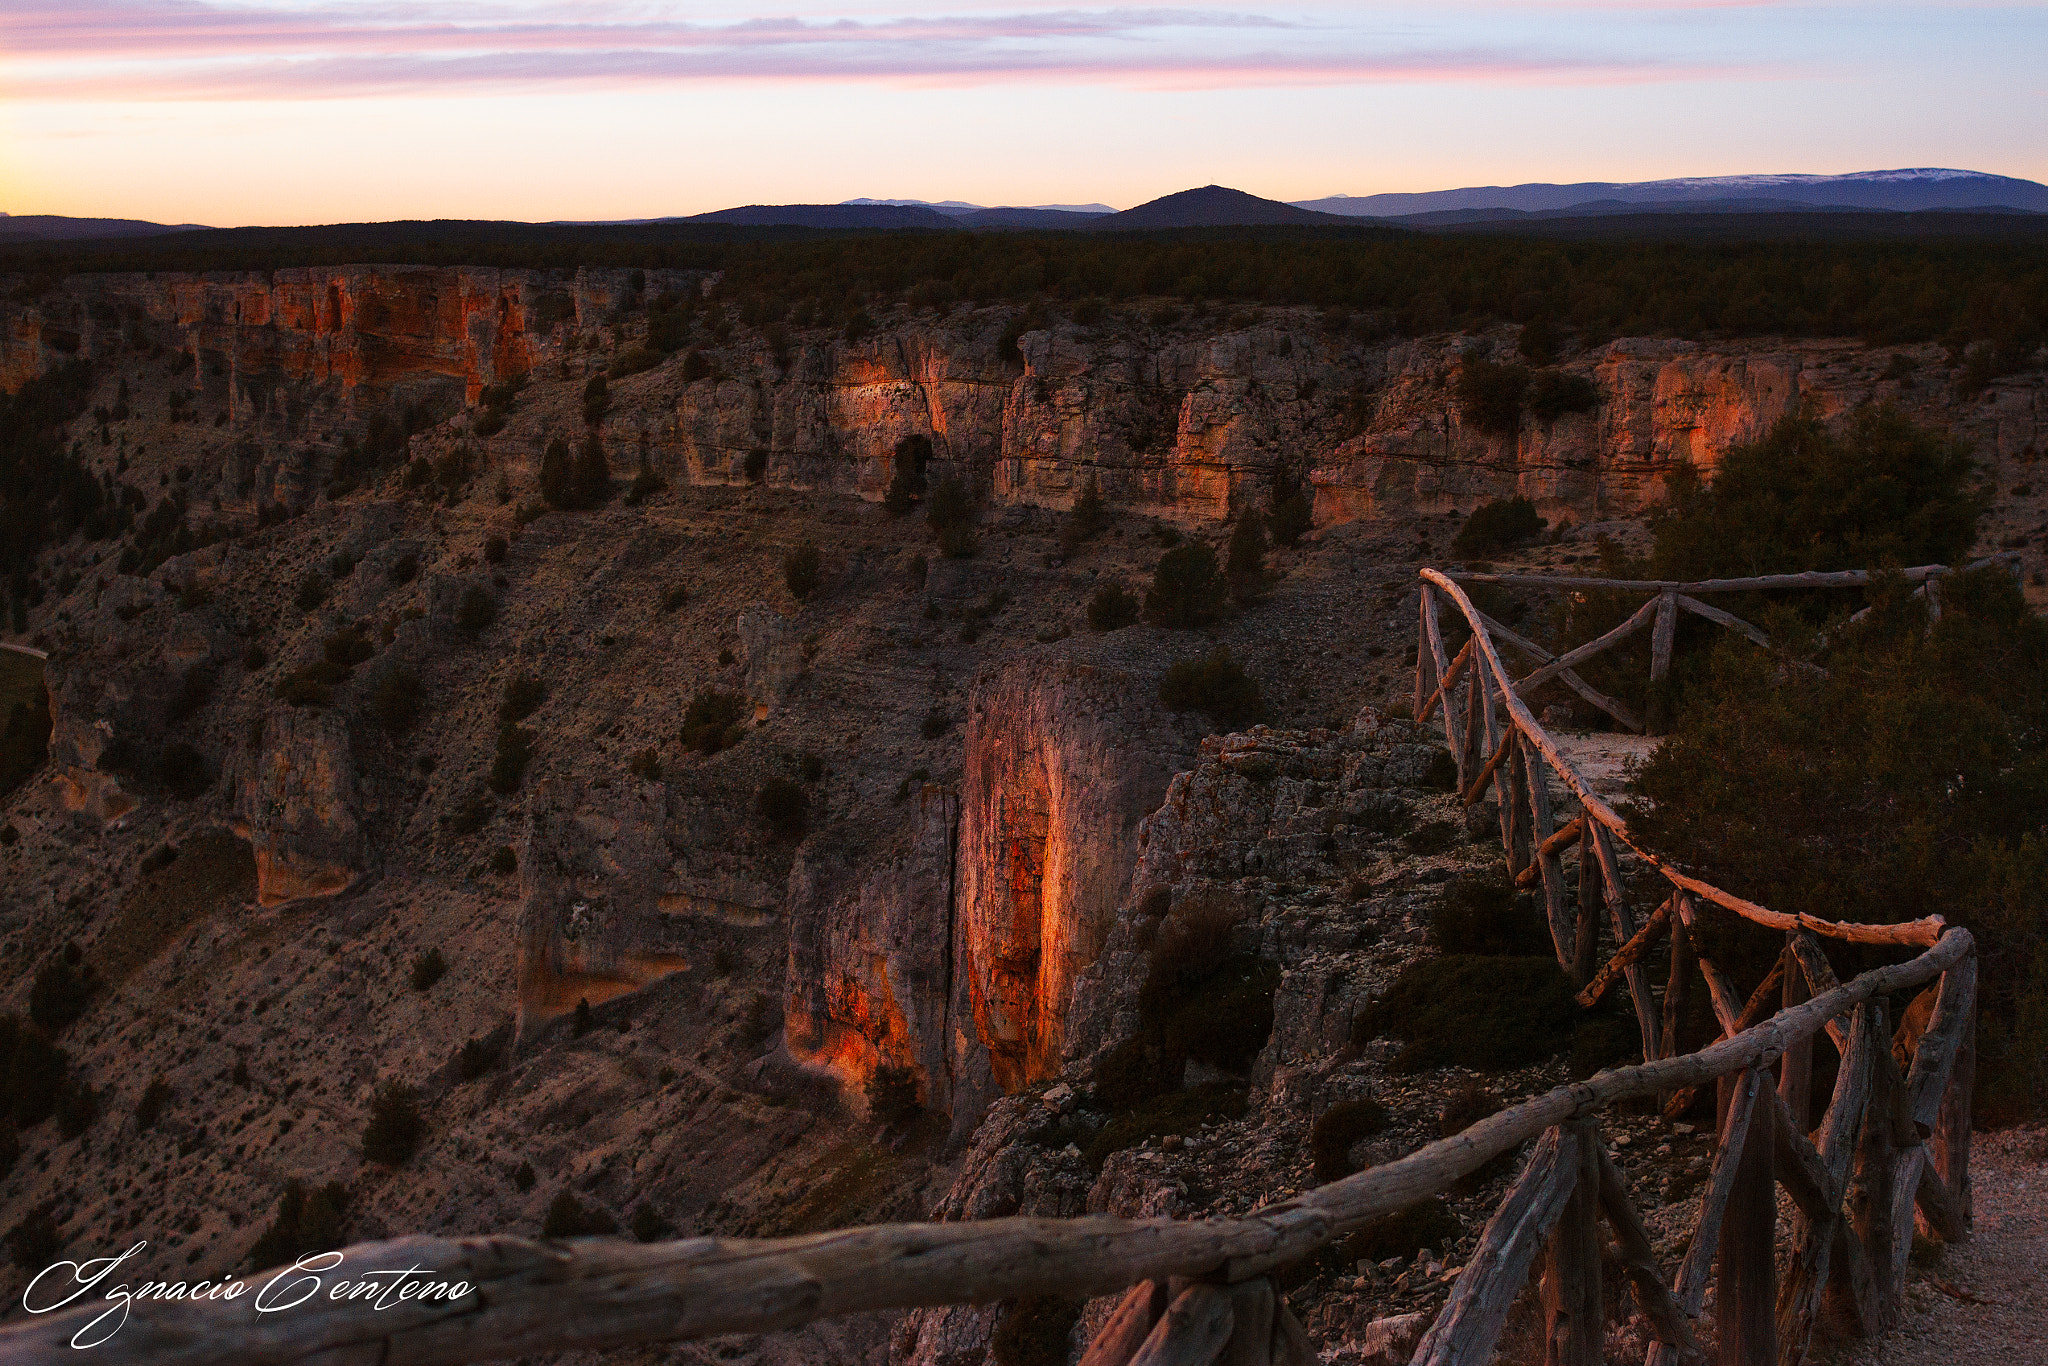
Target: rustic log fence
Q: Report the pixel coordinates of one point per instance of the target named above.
(1891, 1151)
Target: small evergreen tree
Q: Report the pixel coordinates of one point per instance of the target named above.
(558, 475)
(1187, 590)
(593, 475)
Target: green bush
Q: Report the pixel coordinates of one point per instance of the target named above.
(1291, 517)
(476, 611)
(646, 765)
(61, 991)
(565, 1218)
(1112, 608)
(1245, 561)
(35, 1242)
(648, 1225)
(1490, 396)
(396, 1125)
(522, 696)
(495, 548)
(504, 861)
(312, 592)
(783, 808)
(674, 598)
(714, 721)
(1086, 519)
(398, 700)
(907, 479)
(427, 969)
(1187, 591)
(892, 1095)
(558, 475)
(592, 475)
(509, 760)
(755, 466)
(403, 570)
(1481, 913)
(1216, 686)
(951, 514)
(1553, 393)
(149, 1107)
(1496, 526)
(801, 570)
(1331, 1137)
(77, 1106)
(308, 1220)
(633, 360)
(33, 1071)
(1468, 1010)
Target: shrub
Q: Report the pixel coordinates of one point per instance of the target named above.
(77, 1106)
(35, 1242)
(1483, 914)
(592, 475)
(476, 611)
(1175, 1112)
(427, 969)
(1245, 561)
(35, 1071)
(800, 570)
(645, 485)
(579, 1021)
(1490, 396)
(255, 657)
(951, 515)
(1187, 591)
(1036, 1331)
(892, 1095)
(488, 423)
(783, 807)
(404, 569)
(471, 815)
(62, 989)
(514, 751)
(565, 1217)
(674, 598)
(1496, 526)
(714, 721)
(936, 723)
(312, 592)
(521, 697)
(1553, 393)
(1112, 608)
(1469, 1010)
(149, 1107)
(396, 1125)
(398, 699)
(1216, 686)
(696, 365)
(474, 1059)
(504, 861)
(1085, 519)
(907, 479)
(633, 360)
(494, 549)
(1424, 1224)
(648, 1225)
(1291, 517)
(645, 764)
(1431, 837)
(308, 1221)
(558, 475)
(1331, 1137)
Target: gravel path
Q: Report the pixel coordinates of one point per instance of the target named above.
(1987, 1300)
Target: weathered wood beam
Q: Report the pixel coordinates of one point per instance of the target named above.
(1870, 1195)
(1570, 677)
(1798, 1165)
(1546, 865)
(1469, 1324)
(1291, 1346)
(1795, 1069)
(1662, 636)
(1575, 1321)
(1500, 752)
(1251, 1318)
(1818, 1228)
(1745, 1266)
(1917, 932)
(1814, 966)
(1128, 1327)
(1628, 955)
(1937, 1204)
(1954, 1009)
(1721, 618)
(1678, 980)
(1571, 659)
(1193, 1330)
(591, 1294)
(1639, 1264)
(1553, 844)
(1637, 976)
(1689, 1286)
(1838, 578)
(1951, 1142)
(1450, 681)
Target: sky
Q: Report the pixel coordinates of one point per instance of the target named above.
(232, 112)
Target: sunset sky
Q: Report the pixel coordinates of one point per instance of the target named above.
(293, 111)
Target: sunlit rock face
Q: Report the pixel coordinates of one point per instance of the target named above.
(870, 952)
(1064, 758)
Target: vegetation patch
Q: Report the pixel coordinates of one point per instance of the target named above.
(714, 721)
(1036, 1332)
(1216, 686)
(1482, 913)
(1174, 1112)
(1497, 526)
(1470, 1010)
(1405, 1232)
(309, 1219)
(1337, 1129)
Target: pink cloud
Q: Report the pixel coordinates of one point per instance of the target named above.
(183, 49)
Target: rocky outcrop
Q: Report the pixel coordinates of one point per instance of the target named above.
(296, 807)
(870, 953)
(1065, 756)
(592, 920)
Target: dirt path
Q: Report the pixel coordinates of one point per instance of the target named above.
(1987, 1300)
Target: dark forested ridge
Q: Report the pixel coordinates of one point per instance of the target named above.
(1958, 288)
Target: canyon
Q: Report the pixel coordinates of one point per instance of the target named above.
(656, 996)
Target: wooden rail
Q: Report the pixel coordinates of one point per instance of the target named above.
(1890, 1149)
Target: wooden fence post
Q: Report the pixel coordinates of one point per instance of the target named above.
(1795, 1069)
(1575, 1321)
(1745, 1272)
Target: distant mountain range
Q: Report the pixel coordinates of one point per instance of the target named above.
(1904, 191)
(1780, 198)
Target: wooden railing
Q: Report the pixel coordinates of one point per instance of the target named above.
(1892, 1147)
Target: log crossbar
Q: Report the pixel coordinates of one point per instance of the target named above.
(1891, 1148)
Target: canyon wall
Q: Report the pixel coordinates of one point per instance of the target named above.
(1187, 422)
